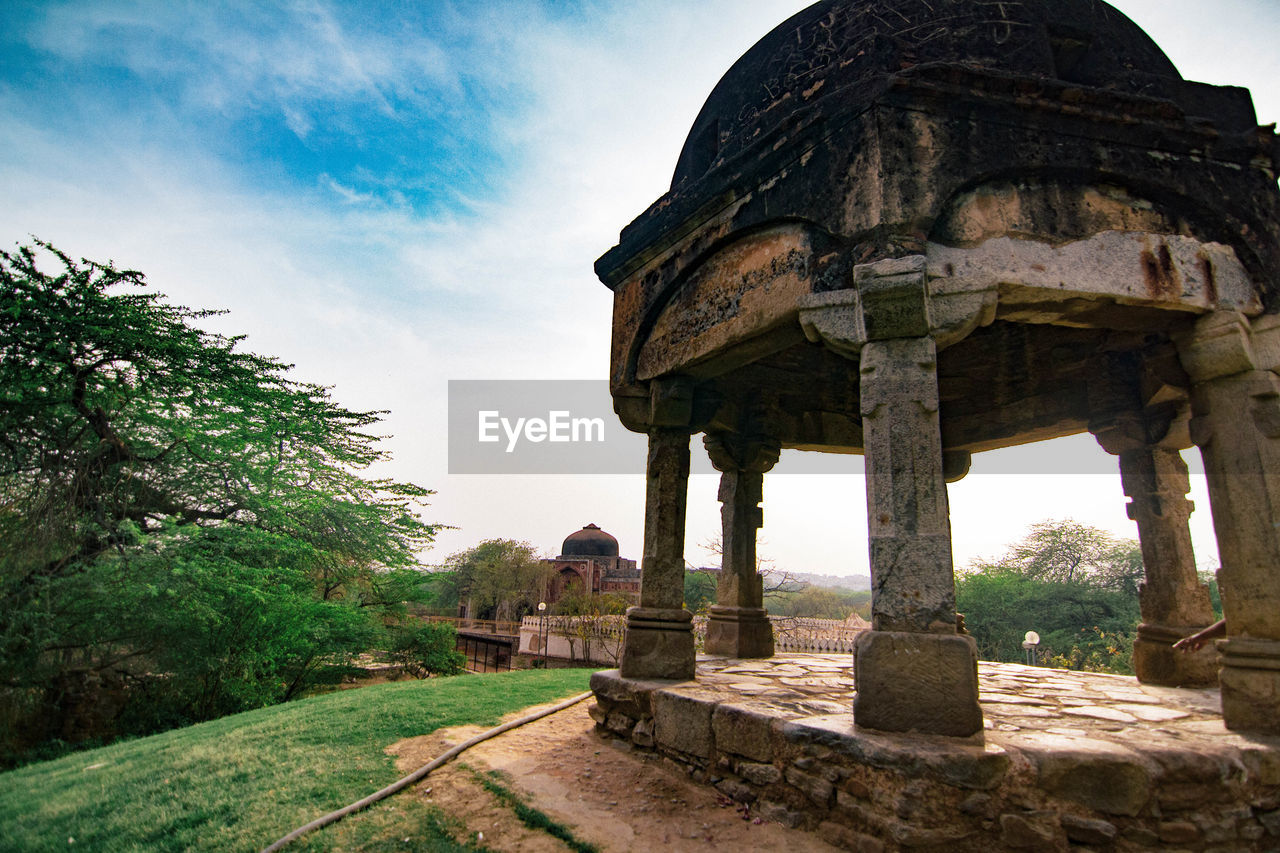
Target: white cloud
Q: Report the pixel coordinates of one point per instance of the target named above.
(229, 57)
(386, 305)
(347, 194)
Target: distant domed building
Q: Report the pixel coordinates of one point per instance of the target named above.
(589, 558)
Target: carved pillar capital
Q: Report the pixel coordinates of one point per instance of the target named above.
(1118, 416)
(1218, 345)
(894, 295)
(731, 451)
(671, 401)
(956, 464)
(667, 401)
(896, 298)
(835, 319)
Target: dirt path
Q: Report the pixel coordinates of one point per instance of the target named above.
(607, 795)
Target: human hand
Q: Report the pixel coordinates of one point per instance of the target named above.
(1190, 644)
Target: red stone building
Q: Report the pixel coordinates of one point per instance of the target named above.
(589, 558)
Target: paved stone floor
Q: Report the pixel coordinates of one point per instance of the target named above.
(1015, 699)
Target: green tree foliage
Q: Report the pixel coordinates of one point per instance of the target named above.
(179, 520)
(499, 579)
(1065, 551)
(859, 602)
(1210, 580)
(426, 648)
(817, 602)
(699, 590)
(576, 601)
(1072, 584)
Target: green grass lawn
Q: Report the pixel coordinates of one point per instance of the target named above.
(241, 782)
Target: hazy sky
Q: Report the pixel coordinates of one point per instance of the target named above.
(392, 195)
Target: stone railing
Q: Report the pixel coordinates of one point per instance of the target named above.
(599, 638)
(799, 634)
(601, 625)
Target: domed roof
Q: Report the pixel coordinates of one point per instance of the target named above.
(842, 45)
(590, 541)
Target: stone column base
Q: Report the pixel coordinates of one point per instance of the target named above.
(659, 644)
(1156, 662)
(1250, 678)
(739, 632)
(917, 682)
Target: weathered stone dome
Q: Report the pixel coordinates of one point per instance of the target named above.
(850, 49)
(590, 541)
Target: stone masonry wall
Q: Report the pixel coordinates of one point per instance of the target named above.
(1026, 790)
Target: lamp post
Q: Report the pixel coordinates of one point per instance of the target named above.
(1029, 642)
(542, 624)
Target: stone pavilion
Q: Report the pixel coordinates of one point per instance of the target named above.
(922, 229)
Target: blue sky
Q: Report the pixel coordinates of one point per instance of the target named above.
(396, 194)
(390, 105)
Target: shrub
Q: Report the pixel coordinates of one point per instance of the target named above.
(426, 648)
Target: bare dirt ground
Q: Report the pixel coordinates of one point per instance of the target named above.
(604, 793)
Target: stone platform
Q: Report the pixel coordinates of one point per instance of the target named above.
(1068, 760)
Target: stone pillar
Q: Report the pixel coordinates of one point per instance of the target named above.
(913, 671)
(1173, 602)
(1235, 402)
(739, 625)
(659, 640)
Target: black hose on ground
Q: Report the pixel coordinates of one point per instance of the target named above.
(421, 772)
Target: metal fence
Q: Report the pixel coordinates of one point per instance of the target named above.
(484, 654)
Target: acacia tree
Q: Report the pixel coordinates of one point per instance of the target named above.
(1075, 585)
(176, 514)
(1068, 551)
